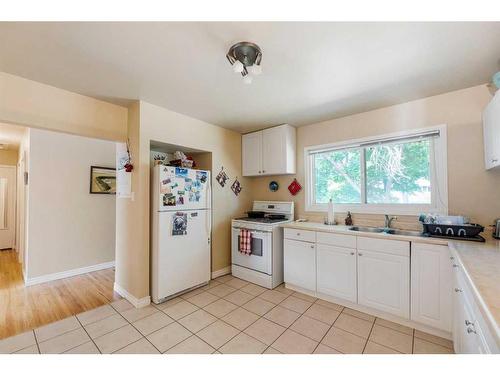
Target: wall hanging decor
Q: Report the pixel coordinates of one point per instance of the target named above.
(102, 180)
(294, 187)
(222, 177)
(274, 186)
(128, 165)
(236, 187)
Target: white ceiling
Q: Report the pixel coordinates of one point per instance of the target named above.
(11, 136)
(312, 71)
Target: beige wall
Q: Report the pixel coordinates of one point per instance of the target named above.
(160, 124)
(34, 104)
(472, 191)
(68, 228)
(8, 157)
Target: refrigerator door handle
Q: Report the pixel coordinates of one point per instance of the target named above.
(209, 206)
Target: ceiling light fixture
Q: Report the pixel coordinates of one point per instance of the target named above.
(245, 57)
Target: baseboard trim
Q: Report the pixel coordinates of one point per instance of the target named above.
(137, 302)
(221, 272)
(65, 274)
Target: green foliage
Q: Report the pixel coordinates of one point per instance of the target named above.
(397, 173)
(338, 176)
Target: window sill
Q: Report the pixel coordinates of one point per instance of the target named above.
(400, 209)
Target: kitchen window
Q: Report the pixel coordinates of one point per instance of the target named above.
(401, 173)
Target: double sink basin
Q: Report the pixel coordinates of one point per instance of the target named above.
(388, 231)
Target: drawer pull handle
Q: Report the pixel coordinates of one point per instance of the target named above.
(470, 330)
(458, 290)
(451, 258)
(468, 323)
(455, 265)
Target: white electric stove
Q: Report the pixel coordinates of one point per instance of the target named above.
(264, 266)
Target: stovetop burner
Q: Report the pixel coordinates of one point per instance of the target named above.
(265, 220)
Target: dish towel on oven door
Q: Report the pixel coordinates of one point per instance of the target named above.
(245, 242)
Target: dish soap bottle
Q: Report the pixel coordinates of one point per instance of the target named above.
(348, 219)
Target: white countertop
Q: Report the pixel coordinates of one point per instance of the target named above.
(479, 260)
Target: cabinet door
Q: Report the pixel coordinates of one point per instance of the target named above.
(278, 150)
(431, 285)
(384, 282)
(251, 154)
(336, 272)
(491, 133)
(300, 264)
(274, 150)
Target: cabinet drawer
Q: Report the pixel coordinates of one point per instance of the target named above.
(334, 239)
(300, 235)
(394, 247)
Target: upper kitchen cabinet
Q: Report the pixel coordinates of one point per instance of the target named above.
(269, 151)
(491, 133)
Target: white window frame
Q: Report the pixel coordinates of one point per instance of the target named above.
(439, 177)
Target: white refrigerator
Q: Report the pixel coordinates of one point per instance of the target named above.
(181, 229)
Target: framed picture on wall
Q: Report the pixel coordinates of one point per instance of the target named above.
(102, 180)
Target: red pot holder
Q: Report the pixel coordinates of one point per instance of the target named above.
(294, 187)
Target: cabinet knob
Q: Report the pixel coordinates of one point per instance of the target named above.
(260, 172)
(468, 323)
(494, 160)
(359, 254)
(298, 234)
(263, 171)
(455, 265)
(312, 246)
(451, 258)
(458, 290)
(352, 253)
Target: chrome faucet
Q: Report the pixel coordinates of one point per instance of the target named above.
(389, 220)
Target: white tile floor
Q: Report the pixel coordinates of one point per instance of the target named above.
(227, 316)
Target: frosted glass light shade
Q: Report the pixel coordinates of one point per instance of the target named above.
(255, 69)
(238, 66)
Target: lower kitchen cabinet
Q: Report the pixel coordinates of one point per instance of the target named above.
(431, 285)
(470, 332)
(300, 264)
(384, 282)
(336, 272)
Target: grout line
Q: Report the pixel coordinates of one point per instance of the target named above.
(368, 338)
(91, 339)
(329, 329)
(36, 342)
(413, 342)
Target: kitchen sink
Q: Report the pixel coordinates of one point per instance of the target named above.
(367, 229)
(389, 231)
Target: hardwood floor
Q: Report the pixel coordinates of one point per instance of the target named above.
(23, 308)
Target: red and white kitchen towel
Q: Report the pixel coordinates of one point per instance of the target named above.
(245, 242)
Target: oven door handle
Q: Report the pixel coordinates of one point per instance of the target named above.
(252, 230)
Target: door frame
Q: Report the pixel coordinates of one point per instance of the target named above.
(14, 167)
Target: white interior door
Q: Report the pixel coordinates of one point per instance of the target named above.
(7, 206)
(183, 260)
